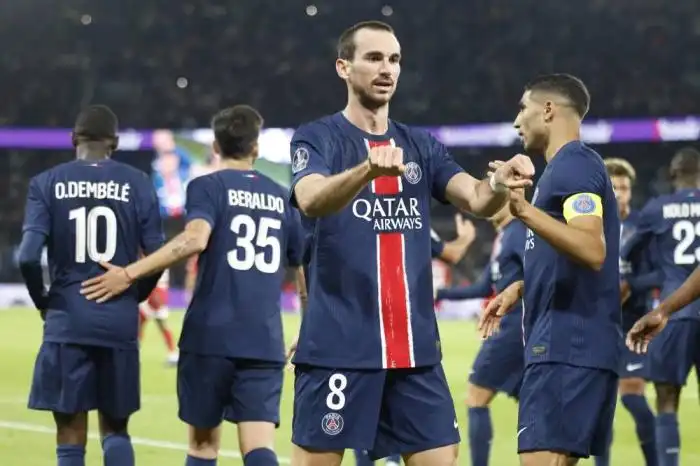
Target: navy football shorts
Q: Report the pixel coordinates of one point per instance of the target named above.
(384, 412)
(71, 378)
(674, 352)
(215, 388)
(566, 408)
(500, 362)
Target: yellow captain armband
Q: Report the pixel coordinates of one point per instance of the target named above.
(582, 204)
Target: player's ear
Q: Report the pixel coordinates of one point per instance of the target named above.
(115, 143)
(548, 111)
(216, 147)
(74, 139)
(342, 67)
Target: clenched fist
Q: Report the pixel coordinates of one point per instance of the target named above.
(386, 161)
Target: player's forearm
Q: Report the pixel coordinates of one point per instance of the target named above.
(319, 196)
(475, 196)
(579, 245)
(30, 266)
(302, 291)
(184, 245)
(456, 249)
(688, 292)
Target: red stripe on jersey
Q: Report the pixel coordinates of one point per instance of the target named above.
(394, 302)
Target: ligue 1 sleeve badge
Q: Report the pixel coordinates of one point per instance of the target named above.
(300, 159)
(332, 423)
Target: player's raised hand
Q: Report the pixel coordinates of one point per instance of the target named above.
(465, 228)
(386, 161)
(106, 286)
(645, 329)
(514, 173)
(490, 320)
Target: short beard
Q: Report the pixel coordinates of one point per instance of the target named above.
(366, 100)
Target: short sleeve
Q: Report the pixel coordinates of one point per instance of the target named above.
(436, 244)
(152, 236)
(442, 168)
(201, 201)
(37, 216)
(308, 150)
(295, 238)
(581, 182)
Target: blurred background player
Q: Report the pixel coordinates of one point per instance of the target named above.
(669, 226)
(571, 287)
(232, 347)
(639, 277)
(498, 366)
(156, 308)
(87, 211)
(449, 253)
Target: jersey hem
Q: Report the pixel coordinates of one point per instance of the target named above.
(338, 364)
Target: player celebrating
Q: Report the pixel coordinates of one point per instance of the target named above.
(231, 348)
(88, 211)
(639, 277)
(499, 364)
(156, 308)
(669, 224)
(365, 182)
(571, 305)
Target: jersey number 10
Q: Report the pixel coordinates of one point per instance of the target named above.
(685, 233)
(248, 236)
(86, 234)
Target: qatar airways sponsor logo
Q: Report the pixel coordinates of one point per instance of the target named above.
(389, 213)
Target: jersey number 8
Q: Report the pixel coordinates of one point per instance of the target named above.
(248, 236)
(685, 232)
(336, 398)
(86, 234)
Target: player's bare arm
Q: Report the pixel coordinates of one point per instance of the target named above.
(454, 250)
(300, 280)
(319, 195)
(192, 240)
(580, 238)
(485, 197)
(498, 307)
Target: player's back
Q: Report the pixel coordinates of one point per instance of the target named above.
(235, 307)
(572, 312)
(671, 225)
(92, 211)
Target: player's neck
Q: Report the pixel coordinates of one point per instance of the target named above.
(238, 164)
(624, 212)
(501, 224)
(92, 152)
(372, 121)
(560, 137)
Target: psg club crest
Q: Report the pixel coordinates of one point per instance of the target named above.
(583, 204)
(300, 159)
(413, 173)
(332, 423)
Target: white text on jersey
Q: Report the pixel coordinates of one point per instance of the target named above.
(682, 210)
(389, 213)
(262, 201)
(92, 189)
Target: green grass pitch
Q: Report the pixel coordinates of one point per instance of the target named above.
(26, 437)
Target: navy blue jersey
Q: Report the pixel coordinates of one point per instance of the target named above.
(92, 211)
(572, 313)
(235, 309)
(669, 225)
(370, 274)
(639, 272)
(436, 244)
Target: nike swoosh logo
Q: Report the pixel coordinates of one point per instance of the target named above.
(521, 431)
(456, 425)
(634, 367)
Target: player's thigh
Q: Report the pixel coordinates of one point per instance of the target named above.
(203, 388)
(418, 415)
(546, 458)
(335, 409)
(566, 409)
(255, 391)
(118, 382)
(65, 379)
(672, 353)
(499, 364)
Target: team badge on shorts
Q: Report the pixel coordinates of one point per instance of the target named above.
(583, 204)
(332, 423)
(413, 173)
